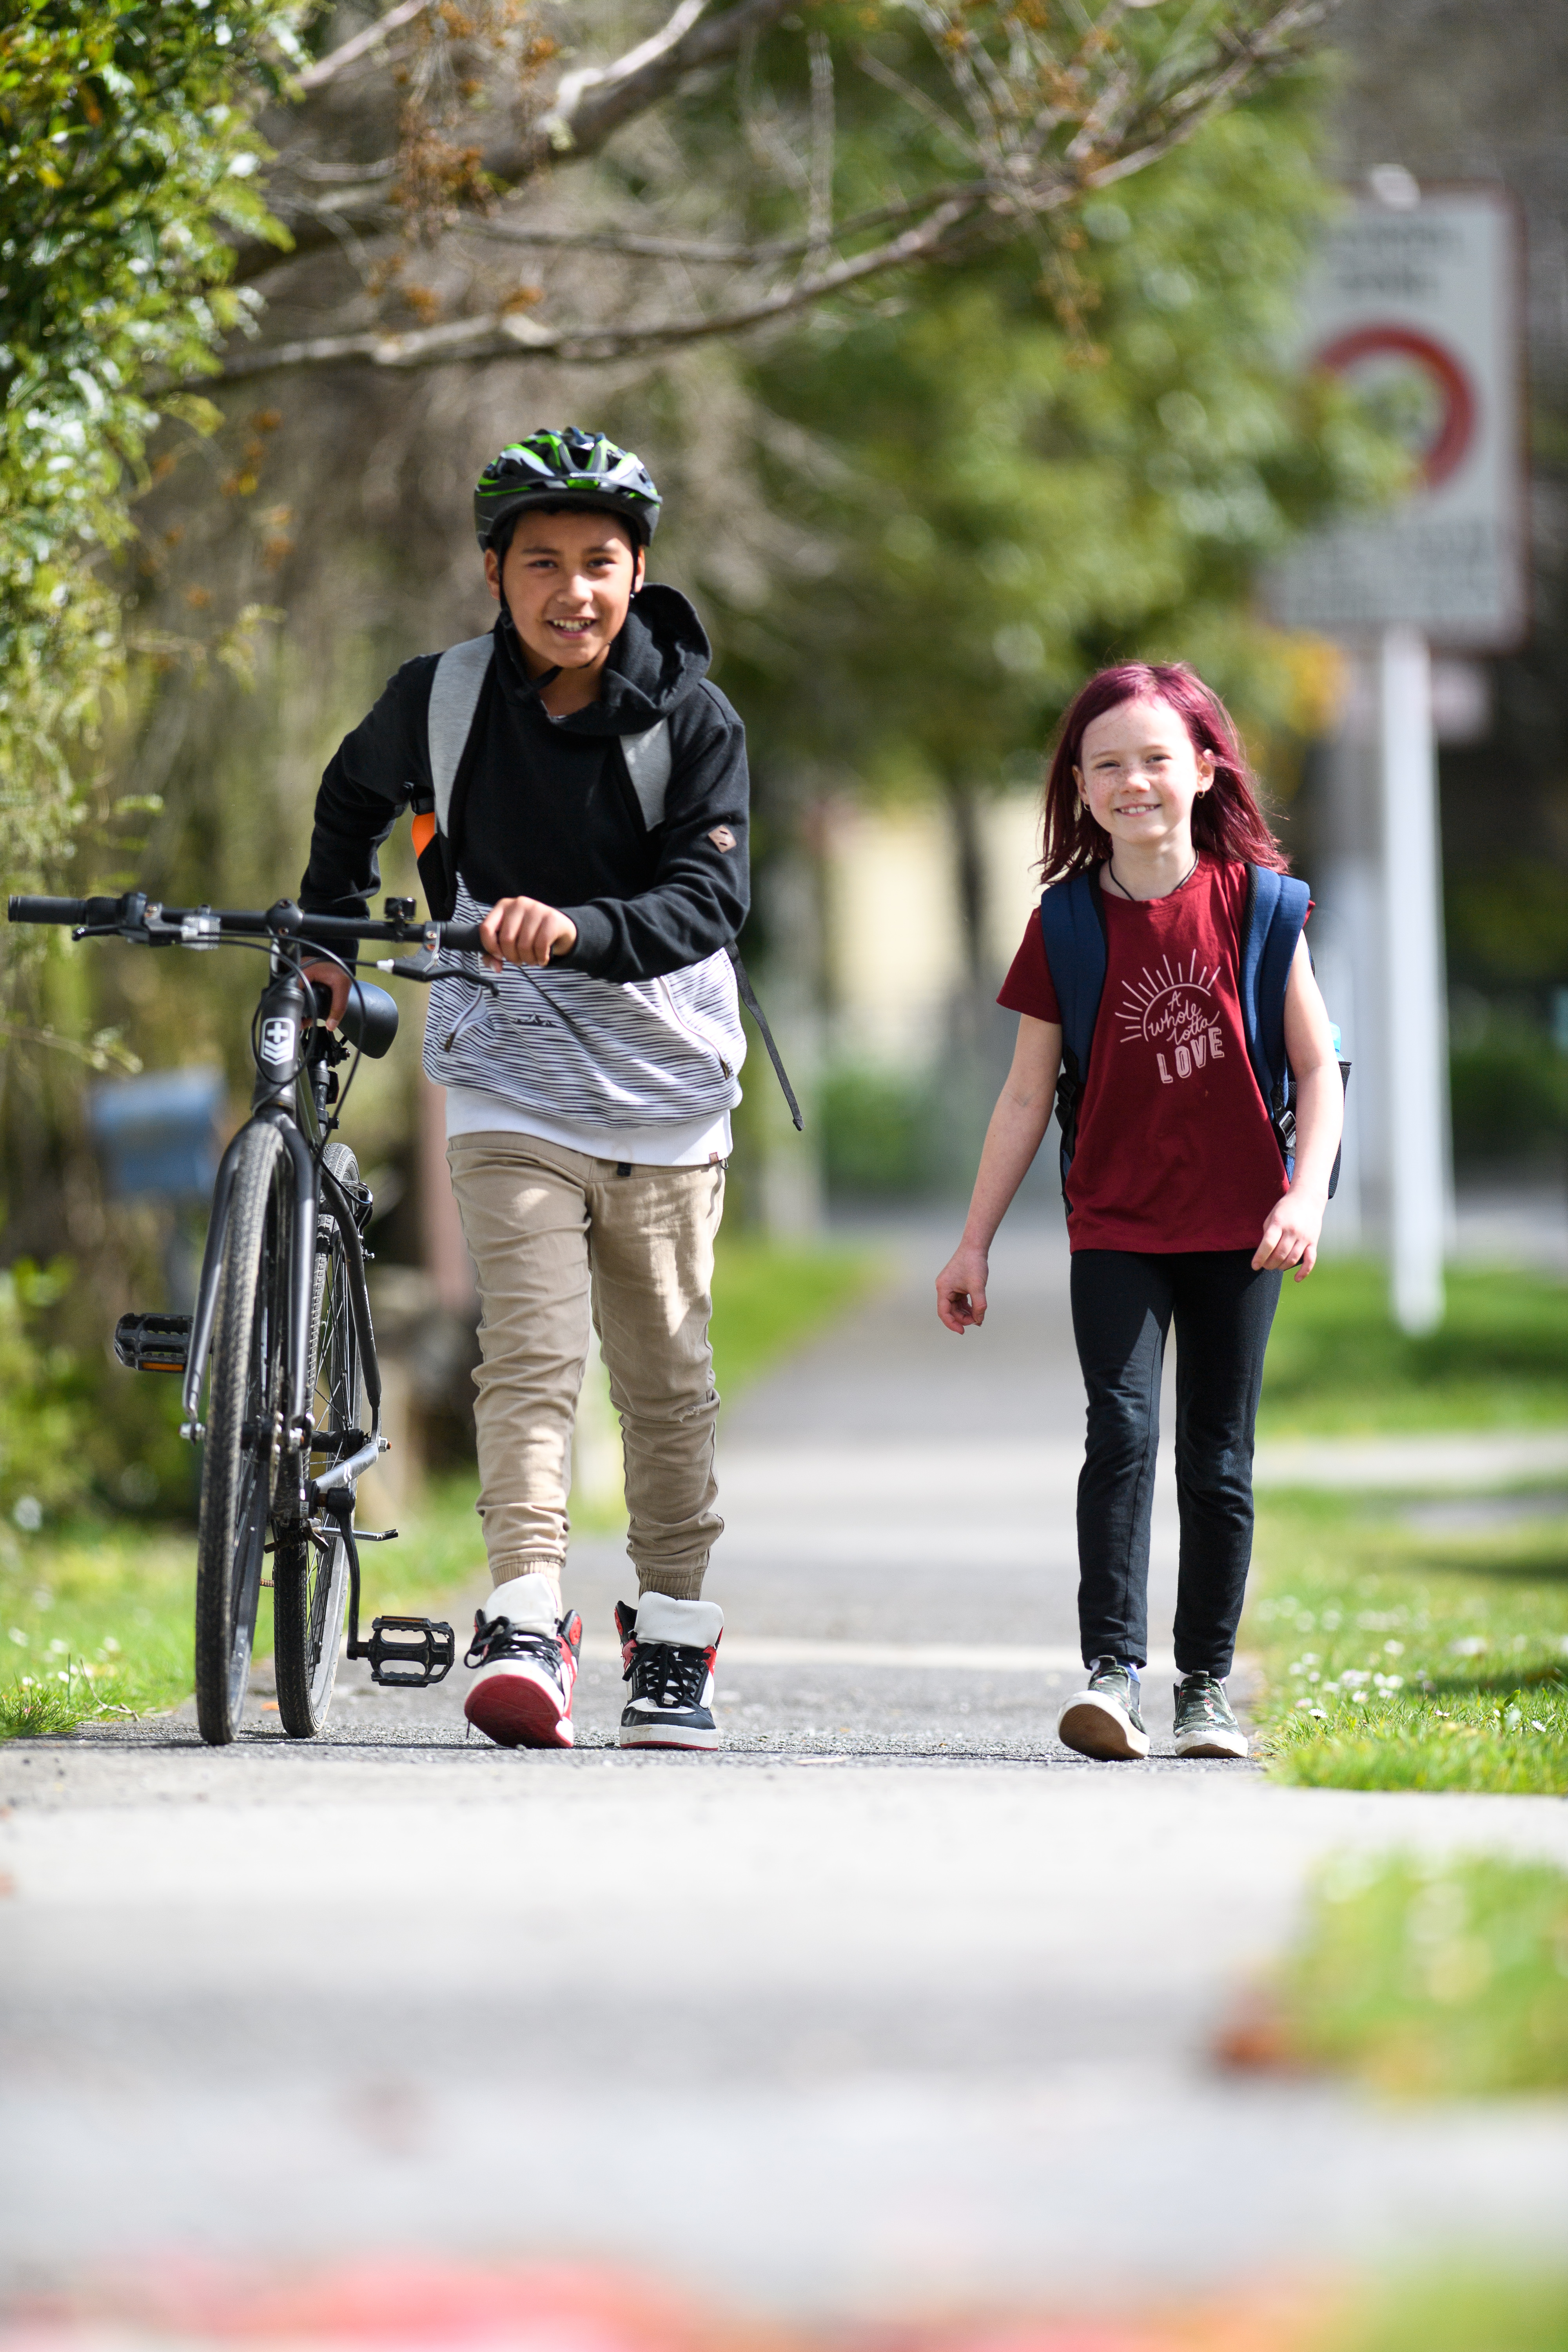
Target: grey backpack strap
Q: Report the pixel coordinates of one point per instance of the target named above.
(455, 693)
(648, 764)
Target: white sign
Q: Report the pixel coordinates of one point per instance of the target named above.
(1418, 302)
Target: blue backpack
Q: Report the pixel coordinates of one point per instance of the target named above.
(1072, 919)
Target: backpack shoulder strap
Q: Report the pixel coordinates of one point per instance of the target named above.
(455, 693)
(1072, 921)
(1275, 910)
(648, 759)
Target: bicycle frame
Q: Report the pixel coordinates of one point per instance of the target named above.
(290, 1093)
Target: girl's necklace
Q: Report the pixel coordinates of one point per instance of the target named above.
(1110, 869)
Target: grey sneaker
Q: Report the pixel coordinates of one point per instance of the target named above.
(1204, 1724)
(1102, 1719)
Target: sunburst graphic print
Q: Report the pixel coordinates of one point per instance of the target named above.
(1172, 1008)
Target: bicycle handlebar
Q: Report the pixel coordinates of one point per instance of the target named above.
(137, 917)
(47, 911)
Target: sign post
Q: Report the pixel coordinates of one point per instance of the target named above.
(1412, 920)
(1415, 302)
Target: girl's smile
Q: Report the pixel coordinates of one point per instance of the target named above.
(1140, 777)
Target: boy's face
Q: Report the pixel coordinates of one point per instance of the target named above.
(568, 579)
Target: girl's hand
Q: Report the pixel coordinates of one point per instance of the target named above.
(961, 1288)
(1290, 1234)
(525, 930)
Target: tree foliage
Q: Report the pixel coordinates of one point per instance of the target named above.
(993, 500)
(129, 162)
(740, 206)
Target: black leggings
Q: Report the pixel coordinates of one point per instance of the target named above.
(1123, 1304)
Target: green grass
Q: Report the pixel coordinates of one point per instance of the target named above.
(96, 1618)
(1433, 1977)
(1337, 1363)
(1464, 2311)
(1395, 1658)
(770, 1298)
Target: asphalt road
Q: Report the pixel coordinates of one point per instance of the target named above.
(893, 2004)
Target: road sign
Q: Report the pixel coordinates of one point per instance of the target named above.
(1418, 302)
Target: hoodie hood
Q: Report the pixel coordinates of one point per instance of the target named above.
(660, 657)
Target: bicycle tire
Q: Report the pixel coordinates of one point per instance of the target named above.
(246, 1410)
(311, 1568)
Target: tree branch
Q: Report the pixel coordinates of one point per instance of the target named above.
(589, 106)
(503, 334)
(1132, 123)
(677, 249)
(327, 69)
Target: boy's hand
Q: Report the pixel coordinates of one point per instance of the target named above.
(525, 930)
(1290, 1234)
(961, 1288)
(333, 976)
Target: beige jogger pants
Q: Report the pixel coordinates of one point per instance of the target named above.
(552, 1235)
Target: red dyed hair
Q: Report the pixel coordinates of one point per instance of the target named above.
(1227, 820)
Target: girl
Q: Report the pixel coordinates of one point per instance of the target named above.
(1177, 1204)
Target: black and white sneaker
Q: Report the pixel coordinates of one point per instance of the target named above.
(1102, 1719)
(667, 1648)
(526, 1662)
(1204, 1724)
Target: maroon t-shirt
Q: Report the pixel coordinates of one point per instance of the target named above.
(1175, 1146)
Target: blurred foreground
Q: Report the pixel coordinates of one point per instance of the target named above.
(893, 2011)
(408, 2303)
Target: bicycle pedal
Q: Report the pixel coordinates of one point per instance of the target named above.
(152, 1343)
(407, 1652)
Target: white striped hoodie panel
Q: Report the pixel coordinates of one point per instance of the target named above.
(568, 1046)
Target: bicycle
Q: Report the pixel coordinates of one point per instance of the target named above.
(281, 1328)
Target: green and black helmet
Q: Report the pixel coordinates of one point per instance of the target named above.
(569, 467)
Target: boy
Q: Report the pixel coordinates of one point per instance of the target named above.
(580, 789)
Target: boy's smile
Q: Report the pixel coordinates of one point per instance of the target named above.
(568, 578)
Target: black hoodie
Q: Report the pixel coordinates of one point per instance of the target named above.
(543, 808)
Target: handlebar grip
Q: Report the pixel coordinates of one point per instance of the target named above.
(461, 939)
(47, 910)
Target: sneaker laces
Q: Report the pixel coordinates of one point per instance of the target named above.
(498, 1637)
(670, 1674)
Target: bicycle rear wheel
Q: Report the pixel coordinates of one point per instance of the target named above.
(246, 1416)
(310, 1565)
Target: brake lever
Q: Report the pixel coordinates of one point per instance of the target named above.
(406, 967)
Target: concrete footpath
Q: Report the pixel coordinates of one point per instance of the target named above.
(896, 2005)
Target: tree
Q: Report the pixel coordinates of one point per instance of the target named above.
(992, 120)
(991, 504)
(130, 162)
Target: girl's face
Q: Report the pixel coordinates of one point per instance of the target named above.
(1140, 776)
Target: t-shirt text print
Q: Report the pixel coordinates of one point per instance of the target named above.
(1174, 1011)
(1174, 1149)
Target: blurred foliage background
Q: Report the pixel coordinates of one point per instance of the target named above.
(912, 514)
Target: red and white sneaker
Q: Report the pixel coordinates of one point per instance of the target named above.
(667, 1648)
(526, 1662)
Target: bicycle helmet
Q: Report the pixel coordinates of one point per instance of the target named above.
(569, 467)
